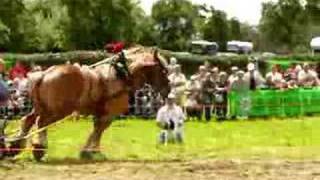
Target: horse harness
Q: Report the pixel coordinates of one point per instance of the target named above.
(122, 73)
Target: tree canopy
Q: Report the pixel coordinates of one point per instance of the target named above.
(62, 25)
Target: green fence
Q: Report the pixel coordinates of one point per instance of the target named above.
(275, 102)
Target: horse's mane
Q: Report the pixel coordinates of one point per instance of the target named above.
(138, 55)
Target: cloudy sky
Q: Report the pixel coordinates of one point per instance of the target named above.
(245, 10)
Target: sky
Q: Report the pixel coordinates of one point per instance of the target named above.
(245, 10)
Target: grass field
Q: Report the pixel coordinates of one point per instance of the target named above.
(295, 139)
(257, 149)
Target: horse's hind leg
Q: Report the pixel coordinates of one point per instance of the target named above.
(93, 143)
(20, 141)
(39, 148)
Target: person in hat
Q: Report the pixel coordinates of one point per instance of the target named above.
(253, 77)
(221, 96)
(307, 77)
(207, 93)
(177, 83)
(170, 119)
(233, 76)
(201, 75)
(274, 78)
(193, 86)
(241, 89)
(172, 65)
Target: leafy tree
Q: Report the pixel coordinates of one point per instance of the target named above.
(175, 23)
(50, 17)
(216, 29)
(283, 25)
(4, 35)
(235, 29)
(95, 22)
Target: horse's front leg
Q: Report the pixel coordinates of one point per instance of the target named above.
(41, 146)
(92, 146)
(19, 141)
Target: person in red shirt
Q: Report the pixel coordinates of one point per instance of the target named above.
(18, 69)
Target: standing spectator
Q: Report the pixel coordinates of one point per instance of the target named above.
(170, 119)
(208, 88)
(172, 65)
(193, 86)
(215, 75)
(201, 75)
(307, 77)
(192, 107)
(2, 69)
(221, 96)
(18, 69)
(177, 83)
(241, 88)
(274, 78)
(21, 84)
(233, 76)
(291, 72)
(254, 77)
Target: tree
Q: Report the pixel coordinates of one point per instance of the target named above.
(235, 32)
(283, 25)
(174, 21)
(216, 29)
(4, 35)
(95, 22)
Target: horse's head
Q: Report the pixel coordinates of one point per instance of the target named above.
(151, 68)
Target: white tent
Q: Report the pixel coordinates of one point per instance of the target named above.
(237, 46)
(315, 43)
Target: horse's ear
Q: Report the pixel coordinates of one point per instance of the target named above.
(156, 54)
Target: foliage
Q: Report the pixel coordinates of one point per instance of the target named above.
(216, 29)
(95, 22)
(175, 23)
(287, 25)
(235, 29)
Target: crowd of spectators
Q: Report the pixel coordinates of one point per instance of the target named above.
(16, 81)
(202, 95)
(207, 90)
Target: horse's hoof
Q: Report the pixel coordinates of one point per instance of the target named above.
(14, 149)
(39, 151)
(92, 155)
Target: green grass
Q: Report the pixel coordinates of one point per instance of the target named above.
(137, 140)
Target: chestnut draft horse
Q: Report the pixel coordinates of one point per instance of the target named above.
(102, 91)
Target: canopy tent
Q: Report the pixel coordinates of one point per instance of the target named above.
(239, 46)
(315, 43)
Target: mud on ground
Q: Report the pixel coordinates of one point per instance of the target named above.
(199, 170)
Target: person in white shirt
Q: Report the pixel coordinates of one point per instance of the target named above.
(253, 77)
(193, 86)
(274, 78)
(233, 75)
(172, 65)
(307, 77)
(21, 85)
(170, 119)
(177, 83)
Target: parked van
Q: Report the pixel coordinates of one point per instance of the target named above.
(240, 47)
(204, 47)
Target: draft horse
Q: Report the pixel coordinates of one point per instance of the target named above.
(102, 91)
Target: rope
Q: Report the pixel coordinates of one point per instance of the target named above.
(34, 132)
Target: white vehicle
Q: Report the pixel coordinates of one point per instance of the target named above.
(315, 44)
(240, 47)
(204, 47)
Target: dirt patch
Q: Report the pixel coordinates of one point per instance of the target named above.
(202, 170)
